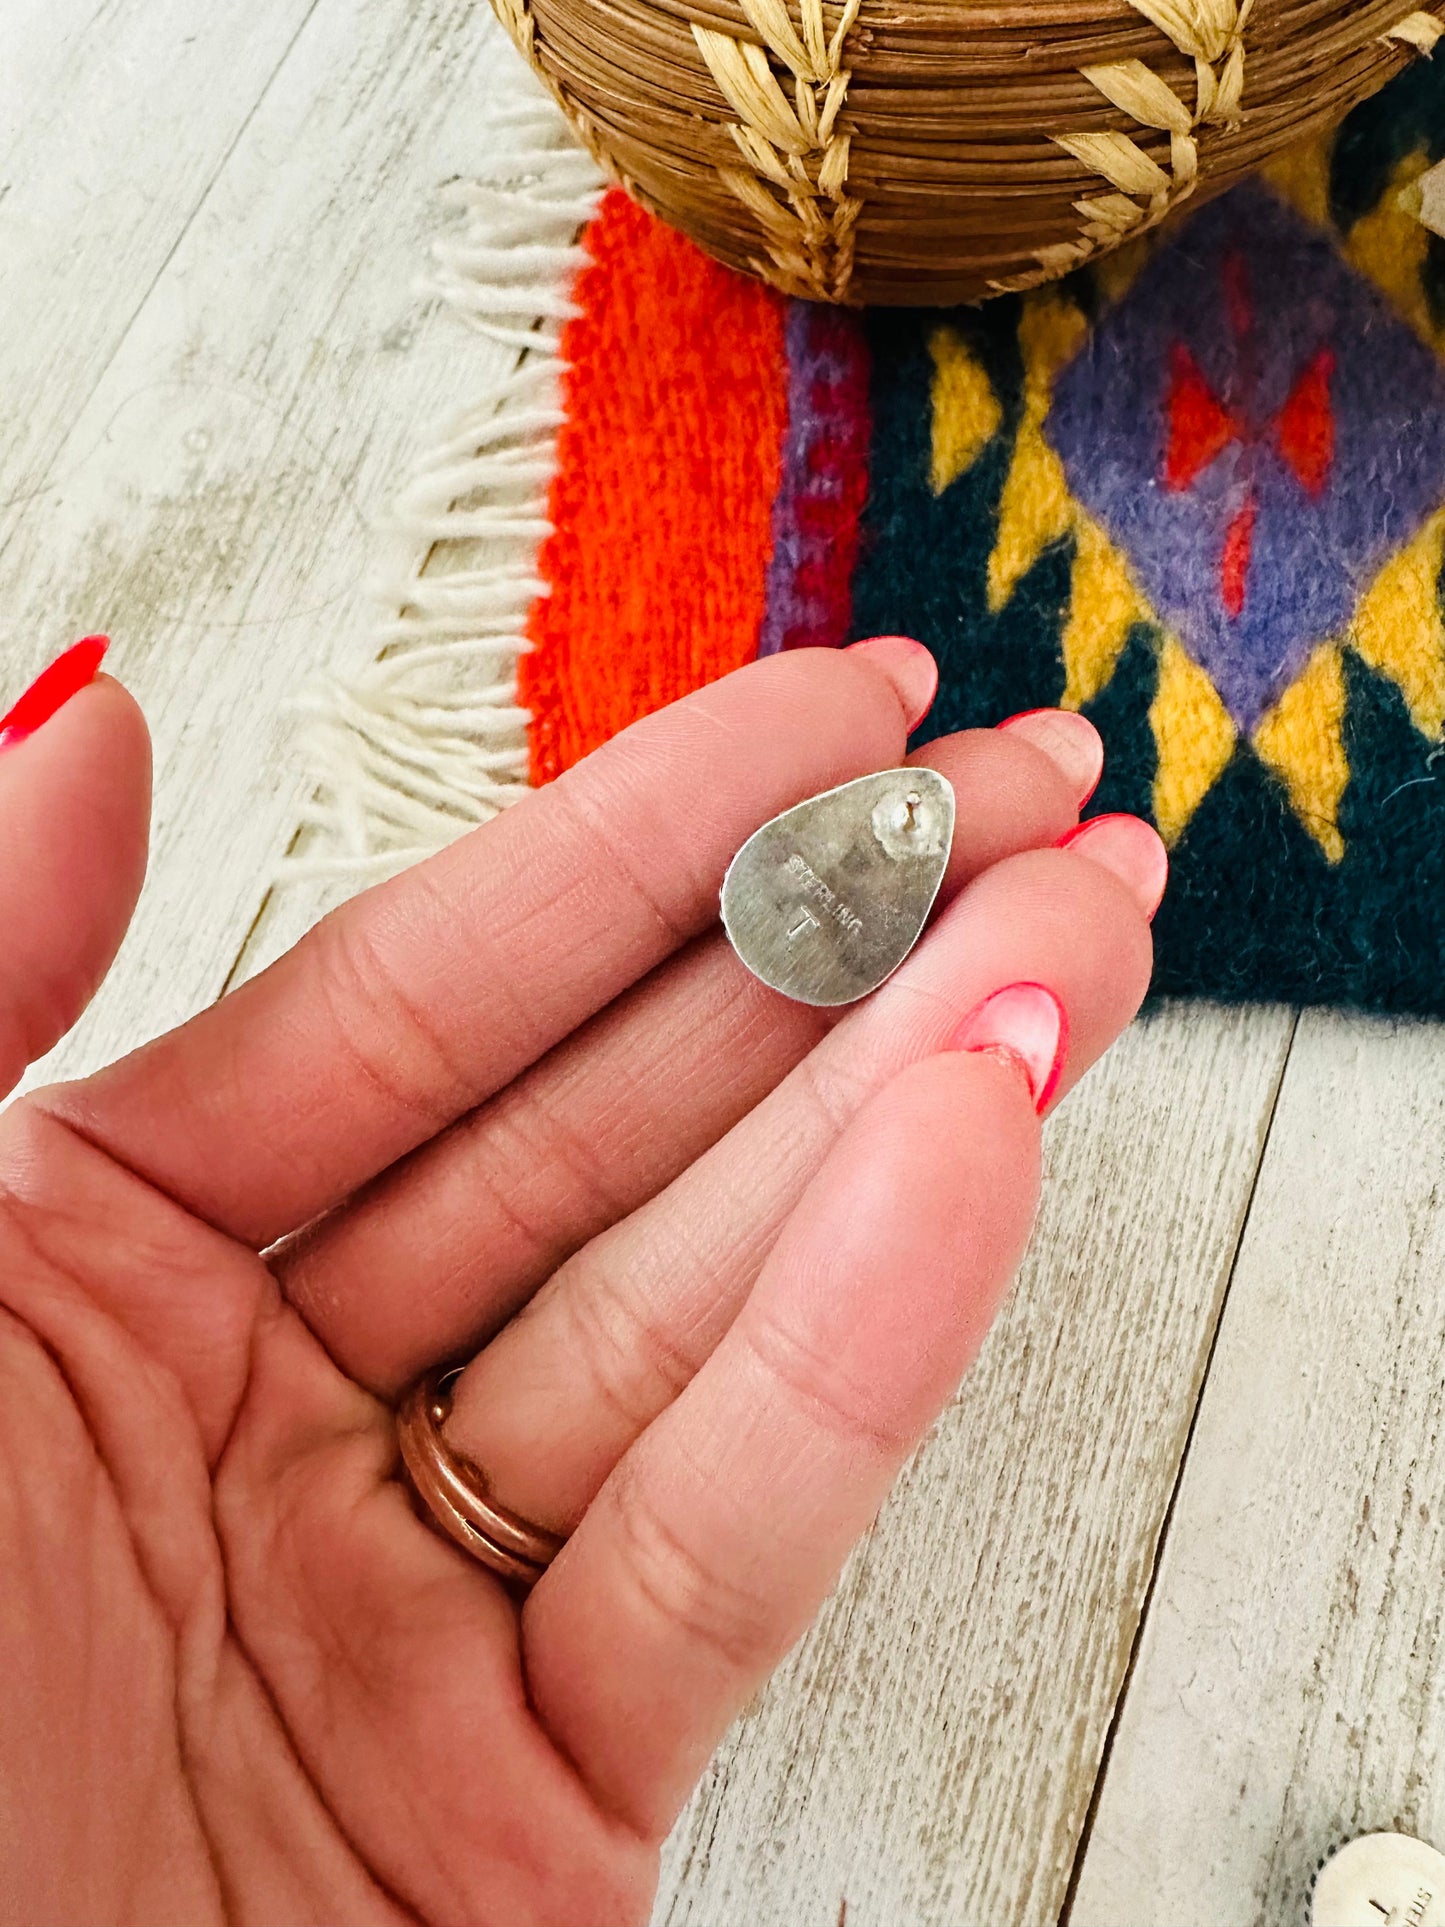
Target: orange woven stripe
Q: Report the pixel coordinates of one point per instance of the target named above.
(668, 465)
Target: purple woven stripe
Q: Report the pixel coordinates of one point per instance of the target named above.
(824, 481)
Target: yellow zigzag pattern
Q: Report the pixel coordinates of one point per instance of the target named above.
(1036, 507)
(966, 412)
(1397, 628)
(1194, 735)
(1301, 741)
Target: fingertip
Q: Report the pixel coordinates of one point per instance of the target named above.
(1027, 1026)
(1130, 849)
(116, 711)
(91, 764)
(74, 830)
(1041, 918)
(1070, 742)
(955, 1131)
(910, 668)
(1011, 798)
(57, 683)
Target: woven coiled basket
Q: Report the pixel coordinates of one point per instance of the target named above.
(932, 151)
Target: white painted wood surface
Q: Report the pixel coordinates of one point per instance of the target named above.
(212, 370)
(114, 124)
(929, 1753)
(1290, 1685)
(212, 492)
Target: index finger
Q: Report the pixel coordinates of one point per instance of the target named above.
(417, 1000)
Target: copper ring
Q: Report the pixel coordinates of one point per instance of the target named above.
(455, 1492)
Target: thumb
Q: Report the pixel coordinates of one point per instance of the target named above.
(75, 780)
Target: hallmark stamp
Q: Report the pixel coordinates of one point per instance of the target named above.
(830, 903)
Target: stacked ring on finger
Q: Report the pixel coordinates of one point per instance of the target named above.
(456, 1495)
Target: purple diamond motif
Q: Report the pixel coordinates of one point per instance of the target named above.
(1258, 431)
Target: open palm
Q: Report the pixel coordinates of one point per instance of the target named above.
(721, 1258)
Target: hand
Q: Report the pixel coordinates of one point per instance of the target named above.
(722, 1259)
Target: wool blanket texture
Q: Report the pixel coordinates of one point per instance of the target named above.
(1197, 492)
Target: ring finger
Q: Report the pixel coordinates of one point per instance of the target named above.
(551, 1405)
(440, 1251)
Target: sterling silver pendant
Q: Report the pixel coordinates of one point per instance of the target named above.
(828, 899)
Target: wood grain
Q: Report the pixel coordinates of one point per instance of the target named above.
(113, 127)
(212, 501)
(1290, 1686)
(929, 1752)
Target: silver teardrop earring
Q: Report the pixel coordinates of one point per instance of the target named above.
(825, 901)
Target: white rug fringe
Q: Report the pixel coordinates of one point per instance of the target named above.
(429, 740)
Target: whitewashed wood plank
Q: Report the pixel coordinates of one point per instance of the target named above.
(214, 502)
(42, 42)
(1290, 1684)
(928, 1754)
(113, 123)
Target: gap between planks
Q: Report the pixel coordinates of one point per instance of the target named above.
(1290, 1688)
(930, 1750)
(1161, 1544)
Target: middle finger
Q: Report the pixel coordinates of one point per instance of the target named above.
(552, 1404)
(441, 1250)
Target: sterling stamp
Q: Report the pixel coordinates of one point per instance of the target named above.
(825, 901)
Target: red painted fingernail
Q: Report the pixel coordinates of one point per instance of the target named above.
(1131, 849)
(1069, 740)
(52, 689)
(1027, 1025)
(909, 667)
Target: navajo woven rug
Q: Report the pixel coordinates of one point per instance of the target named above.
(1197, 492)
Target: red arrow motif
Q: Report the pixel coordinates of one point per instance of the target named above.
(1202, 427)
(1305, 429)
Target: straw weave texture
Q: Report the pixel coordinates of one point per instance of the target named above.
(936, 151)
